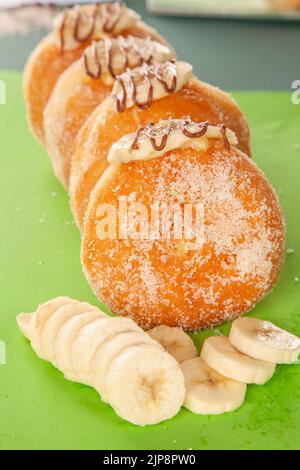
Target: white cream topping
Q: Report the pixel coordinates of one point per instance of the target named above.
(122, 151)
(122, 53)
(98, 19)
(146, 76)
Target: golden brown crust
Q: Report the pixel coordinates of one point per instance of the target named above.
(198, 100)
(73, 99)
(159, 281)
(45, 65)
(84, 85)
(285, 4)
(41, 73)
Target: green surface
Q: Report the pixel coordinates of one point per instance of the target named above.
(40, 259)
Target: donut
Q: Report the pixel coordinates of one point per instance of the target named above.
(285, 4)
(149, 93)
(182, 229)
(84, 85)
(73, 30)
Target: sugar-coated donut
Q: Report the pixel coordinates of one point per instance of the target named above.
(73, 31)
(84, 85)
(142, 95)
(285, 4)
(158, 278)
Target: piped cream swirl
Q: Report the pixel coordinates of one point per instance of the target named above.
(76, 25)
(148, 83)
(109, 57)
(155, 140)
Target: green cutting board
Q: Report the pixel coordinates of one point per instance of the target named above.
(39, 256)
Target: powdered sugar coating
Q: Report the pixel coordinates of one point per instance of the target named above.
(76, 94)
(273, 336)
(158, 281)
(197, 100)
(49, 59)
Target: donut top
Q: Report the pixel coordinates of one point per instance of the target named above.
(156, 139)
(112, 56)
(144, 84)
(85, 22)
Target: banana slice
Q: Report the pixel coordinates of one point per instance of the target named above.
(219, 354)
(43, 313)
(109, 349)
(175, 341)
(145, 382)
(88, 341)
(26, 322)
(145, 385)
(264, 340)
(63, 343)
(55, 322)
(207, 391)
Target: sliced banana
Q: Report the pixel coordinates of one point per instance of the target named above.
(150, 383)
(263, 340)
(55, 322)
(175, 341)
(219, 354)
(89, 339)
(109, 349)
(207, 391)
(26, 322)
(65, 337)
(145, 385)
(43, 313)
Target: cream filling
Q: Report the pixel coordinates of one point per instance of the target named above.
(131, 48)
(122, 151)
(183, 72)
(126, 19)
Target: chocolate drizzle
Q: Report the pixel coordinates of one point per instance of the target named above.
(106, 14)
(201, 130)
(95, 75)
(92, 20)
(145, 76)
(121, 102)
(109, 56)
(223, 131)
(141, 53)
(135, 142)
(159, 77)
(62, 31)
(142, 104)
(158, 134)
(164, 137)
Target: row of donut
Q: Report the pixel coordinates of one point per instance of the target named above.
(92, 87)
(65, 83)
